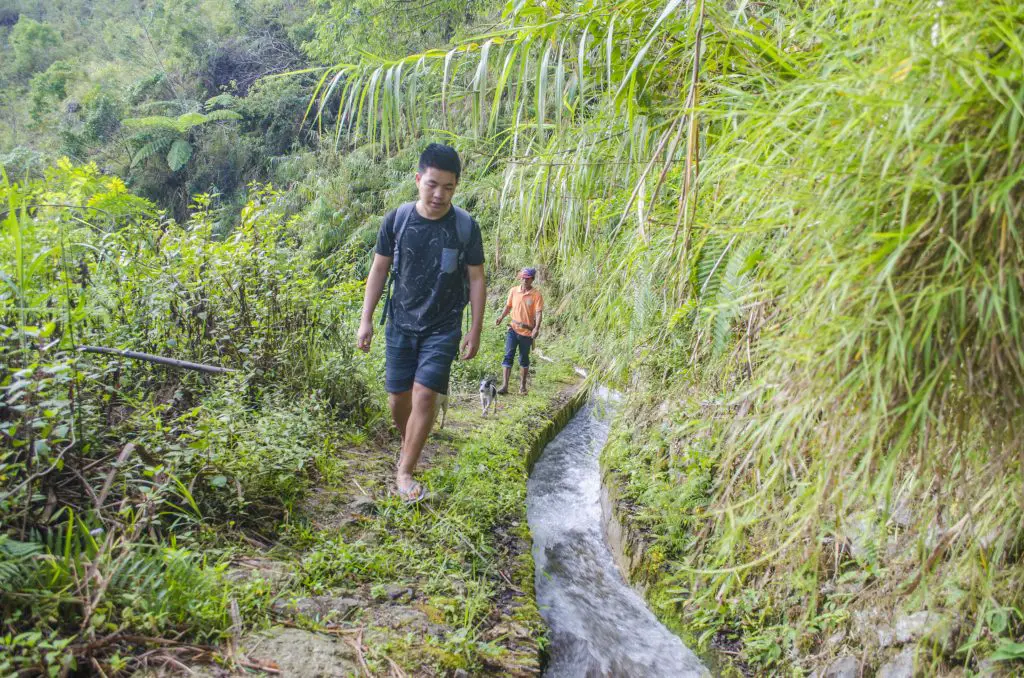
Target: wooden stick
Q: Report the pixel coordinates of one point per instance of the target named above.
(160, 360)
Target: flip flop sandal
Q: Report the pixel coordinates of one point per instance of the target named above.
(415, 494)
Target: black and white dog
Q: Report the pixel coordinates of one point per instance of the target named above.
(488, 395)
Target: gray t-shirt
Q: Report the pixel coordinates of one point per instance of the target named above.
(428, 296)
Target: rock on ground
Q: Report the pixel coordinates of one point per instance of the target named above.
(302, 654)
(844, 667)
(274, 572)
(901, 666)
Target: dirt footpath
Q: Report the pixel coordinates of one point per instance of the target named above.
(360, 583)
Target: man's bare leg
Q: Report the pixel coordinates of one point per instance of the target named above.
(524, 372)
(419, 422)
(401, 407)
(504, 383)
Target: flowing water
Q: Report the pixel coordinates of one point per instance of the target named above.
(599, 625)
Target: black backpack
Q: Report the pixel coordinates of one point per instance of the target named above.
(464, 229)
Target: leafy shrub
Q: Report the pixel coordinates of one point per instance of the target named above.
(106, 461)
(34, 45)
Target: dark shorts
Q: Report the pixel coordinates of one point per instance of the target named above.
(515, 340)
(425, 360)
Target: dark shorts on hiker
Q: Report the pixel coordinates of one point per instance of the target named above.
(512, 341)
(426, 360)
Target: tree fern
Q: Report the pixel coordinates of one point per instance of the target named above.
(170, 134)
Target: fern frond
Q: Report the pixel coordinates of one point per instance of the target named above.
(222, 100)
(18, 549)
(152, 122)
(179, 154)
(9, 573)
(222, 114)
(194, 119)
(728, 294)
(704, 272)
(189, 120)
(151, 148)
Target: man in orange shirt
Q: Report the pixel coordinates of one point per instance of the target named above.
(525, 304)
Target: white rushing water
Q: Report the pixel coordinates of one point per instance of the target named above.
(599, 625)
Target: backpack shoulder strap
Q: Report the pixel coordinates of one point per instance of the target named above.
(402, 215)
(464, 229)
(463, 225)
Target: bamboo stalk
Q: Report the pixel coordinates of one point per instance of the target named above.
(690, 169)
(159, 360)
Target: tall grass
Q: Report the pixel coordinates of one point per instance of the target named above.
(802, 224)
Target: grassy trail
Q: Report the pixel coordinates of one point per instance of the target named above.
(363, 584)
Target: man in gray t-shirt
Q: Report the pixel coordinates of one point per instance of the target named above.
(436, 258)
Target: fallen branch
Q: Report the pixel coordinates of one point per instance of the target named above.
(87, 650)
(113, 473)
(357, 644)
(160, 360)
(395, 670)
(269, 666)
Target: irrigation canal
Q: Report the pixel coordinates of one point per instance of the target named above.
(599, 625)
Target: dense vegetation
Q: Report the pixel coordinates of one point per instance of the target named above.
(106, 460)
(791, 232)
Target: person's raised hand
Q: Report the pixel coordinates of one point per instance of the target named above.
(364, 336)
(470, 345)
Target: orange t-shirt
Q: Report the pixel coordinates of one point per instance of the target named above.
(524, 306)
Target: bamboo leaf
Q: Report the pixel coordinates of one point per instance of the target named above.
(580, 60)
(330, 89)
(499, 89)
(351, 113)
(542, 86)
(559, 87)
(608, 50)
(479, 84)
(346, 101)
(445, 79)
(396, 96)
(669, 8)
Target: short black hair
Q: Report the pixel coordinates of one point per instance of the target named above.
(442, 157)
